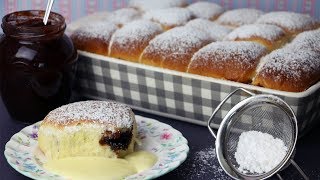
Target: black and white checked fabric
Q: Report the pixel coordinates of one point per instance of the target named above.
(170, 94)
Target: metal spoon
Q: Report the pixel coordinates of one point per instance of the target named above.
(48, 9)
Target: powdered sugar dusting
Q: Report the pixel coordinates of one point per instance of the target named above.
(97, 16)
(169, 17)
(123, 16)
(288, 20)
(177, 41)
(146, 5)
(215, 31)
(98, 29)
(220, 52)
(139, 30)
(238, 17)
(204, 165)
(101, 112)
(264, 31)
(259, 152)
(309, 40)
(206, 10)
(289, 64)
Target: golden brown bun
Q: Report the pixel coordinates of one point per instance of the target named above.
(270, 36)
(238, 17)
(128, 42)
(289, 69)
(88, 128)
(94, 37)
(173, 49)
(93, 45)
(234, 61)
(292, 23)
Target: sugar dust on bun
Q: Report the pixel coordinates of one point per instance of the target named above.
(169, 18)
(308, 40)
(268, 35)
(123, 16)
(238, 17)
(236, 61)
(168, 34)
(205, 10)
(88, 128)
(173, 49)
(215, 31)
(292, 23)
(94, 37)
(289, 69)
(96, 16)
(128, 42)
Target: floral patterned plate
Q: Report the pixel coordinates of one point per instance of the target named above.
(166, 143)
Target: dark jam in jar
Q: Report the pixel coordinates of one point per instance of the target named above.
(38, 64)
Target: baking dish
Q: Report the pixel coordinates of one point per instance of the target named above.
(182, 96)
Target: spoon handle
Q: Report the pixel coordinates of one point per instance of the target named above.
(47, 13)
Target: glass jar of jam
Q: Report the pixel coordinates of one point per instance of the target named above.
(37, 64)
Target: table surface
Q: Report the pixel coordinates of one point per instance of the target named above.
(201, 162)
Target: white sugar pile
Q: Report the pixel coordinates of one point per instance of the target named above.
(259, 152)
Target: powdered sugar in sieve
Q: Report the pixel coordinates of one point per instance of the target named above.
(259, 152)
(261, 147)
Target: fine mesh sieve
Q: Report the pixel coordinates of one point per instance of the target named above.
(263, 113)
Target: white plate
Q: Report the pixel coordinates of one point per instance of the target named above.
(166, 143)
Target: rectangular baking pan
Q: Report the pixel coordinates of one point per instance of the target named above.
(182, 96)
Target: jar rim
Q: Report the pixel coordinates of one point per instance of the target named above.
(28, 24)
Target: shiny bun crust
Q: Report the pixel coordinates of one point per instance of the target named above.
(202, 38)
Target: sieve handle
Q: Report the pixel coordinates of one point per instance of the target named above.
(219, 107)
(279, 176)
(299, 169)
